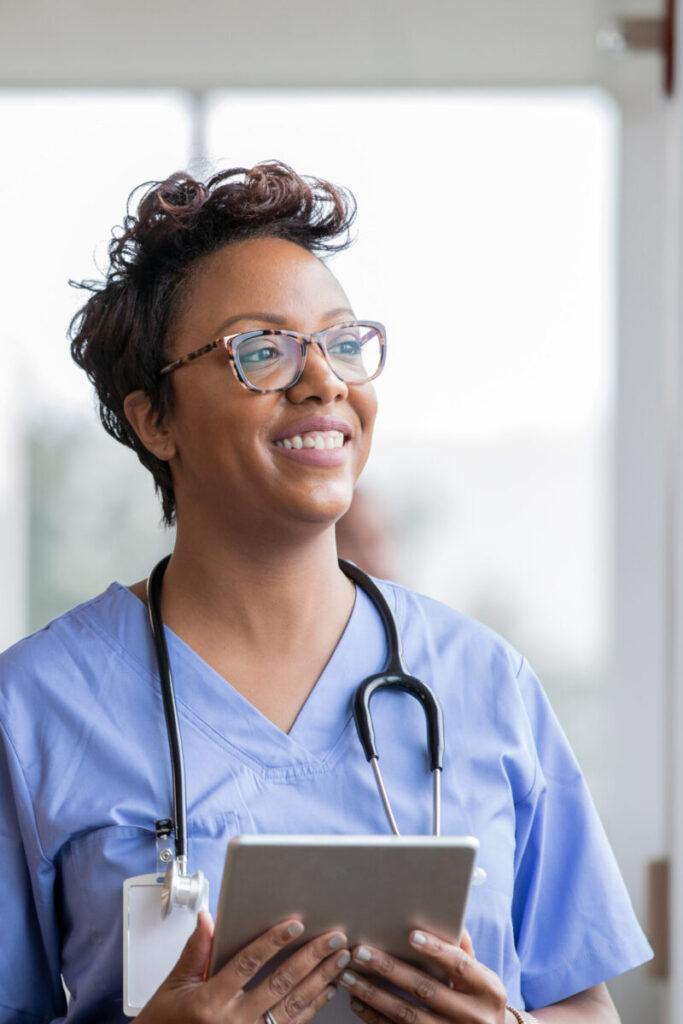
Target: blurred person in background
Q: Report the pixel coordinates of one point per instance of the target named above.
(228, 357)
(363, 537)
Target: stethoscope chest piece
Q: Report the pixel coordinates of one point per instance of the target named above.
(181, 890)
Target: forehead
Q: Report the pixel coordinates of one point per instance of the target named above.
(265, 274)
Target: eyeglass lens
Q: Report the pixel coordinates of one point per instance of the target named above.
(270, 361)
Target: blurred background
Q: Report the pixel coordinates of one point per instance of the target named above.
(517, 170)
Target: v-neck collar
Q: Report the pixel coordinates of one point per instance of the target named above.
(214, 706)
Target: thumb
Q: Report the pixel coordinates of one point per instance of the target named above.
(193, 961)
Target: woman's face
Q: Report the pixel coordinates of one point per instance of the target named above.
(223, 438)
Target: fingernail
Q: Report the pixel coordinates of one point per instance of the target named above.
(337, 941)
(418, 939)
(331, 993)
(357, 1005)
(348, 978)
(207, 915)
(363, 954)
(295, 928)
(344, 959)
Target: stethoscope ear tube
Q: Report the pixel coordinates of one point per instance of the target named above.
(395, 664)
(395, 676)
(170, 711)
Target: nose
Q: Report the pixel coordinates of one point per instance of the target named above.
(317, 382)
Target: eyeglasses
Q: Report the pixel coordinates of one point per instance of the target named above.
(274, 360)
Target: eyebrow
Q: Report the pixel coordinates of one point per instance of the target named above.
(276, 319)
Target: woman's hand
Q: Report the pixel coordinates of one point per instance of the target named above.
(293, 992)
(469, 993)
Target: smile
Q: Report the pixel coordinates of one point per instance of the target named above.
(321, 440)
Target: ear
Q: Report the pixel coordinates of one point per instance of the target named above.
(143, 418)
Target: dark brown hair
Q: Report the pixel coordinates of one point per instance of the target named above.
(119, 336)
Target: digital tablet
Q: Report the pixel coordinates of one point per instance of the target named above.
(375, 888)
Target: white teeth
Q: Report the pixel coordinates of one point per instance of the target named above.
(320, 440)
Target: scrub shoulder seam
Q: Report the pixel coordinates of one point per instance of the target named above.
(123, 652)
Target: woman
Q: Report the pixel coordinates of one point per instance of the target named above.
(255, 442)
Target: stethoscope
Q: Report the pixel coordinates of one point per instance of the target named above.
(181, 889)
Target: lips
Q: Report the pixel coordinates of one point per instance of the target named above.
(317, 441)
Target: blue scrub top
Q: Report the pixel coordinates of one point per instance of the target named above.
(85, 773)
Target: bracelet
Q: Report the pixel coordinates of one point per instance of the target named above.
(522, 1017)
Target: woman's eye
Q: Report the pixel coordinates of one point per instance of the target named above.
(346, 348)
(257, 356)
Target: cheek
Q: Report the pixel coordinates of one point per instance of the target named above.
(368, 411)
(214, 412)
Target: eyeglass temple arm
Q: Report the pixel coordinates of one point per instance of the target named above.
(191, 356)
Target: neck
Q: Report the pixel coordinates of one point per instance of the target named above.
(275, 591)
(265, 616)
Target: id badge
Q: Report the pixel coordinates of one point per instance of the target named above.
(151, 943)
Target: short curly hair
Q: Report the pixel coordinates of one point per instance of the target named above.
(119, 336)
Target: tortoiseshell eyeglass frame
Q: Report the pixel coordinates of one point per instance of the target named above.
(303, 340)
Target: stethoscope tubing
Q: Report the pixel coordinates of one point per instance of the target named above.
(394, 676)
(170, 711)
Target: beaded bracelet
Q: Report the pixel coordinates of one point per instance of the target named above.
(522, 1017)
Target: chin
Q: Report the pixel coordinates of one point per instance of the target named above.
(325, 509)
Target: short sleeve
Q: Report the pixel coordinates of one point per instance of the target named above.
(30, 983)
(573, 921)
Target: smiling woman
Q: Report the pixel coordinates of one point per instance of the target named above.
(249, 485)
(155, 265)
(256, 439)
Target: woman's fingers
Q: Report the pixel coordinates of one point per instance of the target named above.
(371, 1016)
(246, 964)
(470, 984)
(438, 995)
(385, 1004)
(310, 1011)
(293, 991)
(367, 1013)
(296, 982)
(309, 992)
(464, 972)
